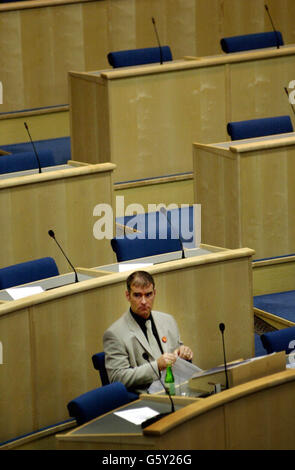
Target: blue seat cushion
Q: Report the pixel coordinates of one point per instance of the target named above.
(29, 271)
(280, 340)
(60, 148)
(248, 42)
(259, 348)
(25, 161)
(155, 225)
(127, 249)
(133, 57)
(99, 401)
(259, 127)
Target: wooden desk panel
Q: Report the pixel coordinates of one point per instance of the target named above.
(147, 120)
(247, 194)
(65, 326)
(235, 419)
(41, 40)
(149, 115)
(61, 200)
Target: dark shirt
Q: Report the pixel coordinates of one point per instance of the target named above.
(141, 322)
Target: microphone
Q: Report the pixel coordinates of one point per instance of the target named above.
(35, 152)
(51, 234)
(222, 328)
(161, 415)
(164, 212)
(274, 29)
(287, 93)
(160, 47)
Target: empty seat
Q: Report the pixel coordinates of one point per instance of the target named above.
(25, 161)
(281, 340)
(259, 127)
(101, 400)
(132, 57)
(247, 42)
(29, 271)
(127, 249)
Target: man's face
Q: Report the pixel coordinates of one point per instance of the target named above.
(141, 299)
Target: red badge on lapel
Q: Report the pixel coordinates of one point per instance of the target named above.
(164, 339)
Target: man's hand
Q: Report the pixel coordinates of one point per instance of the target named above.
(184, 352)
(165, 359)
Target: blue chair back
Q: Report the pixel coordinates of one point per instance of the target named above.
(280, 340)
(132, 57)
(25, 161)
(98, 360)
(247, 42)
(29, 271)
(101, 400)
(127, 249)
(259, 127)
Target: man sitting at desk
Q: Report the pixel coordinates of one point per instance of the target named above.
(141, 334)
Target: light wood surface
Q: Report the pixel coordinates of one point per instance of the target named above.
(41, 40)
(255, 415)
(153, 113)
(48, 339)
(61, 200)
(241, 414)
(273, 275)
(46, 124)
(247, 197)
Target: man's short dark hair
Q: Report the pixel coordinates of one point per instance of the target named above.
(141, 278)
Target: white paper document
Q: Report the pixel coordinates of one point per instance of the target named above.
(137, 415)
(133, 266)
(182, 371)
(21, 292)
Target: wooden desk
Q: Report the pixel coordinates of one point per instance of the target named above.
(255, 415)
(273, 275)
(247, 193)
(62, 200)
(48, 339)
(149, 116)
(41, 40)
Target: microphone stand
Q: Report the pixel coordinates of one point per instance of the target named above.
(51, 234)
(160, 47)
(36, 155)
(164, 212)
(273, 27)
(222, 328)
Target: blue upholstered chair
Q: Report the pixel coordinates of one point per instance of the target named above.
(25, 161)
(259, 127)
(98, 360)
(247, 42)
(101, 400)
(280, 340)
(147, 55)
(29, 271)
(127, 249)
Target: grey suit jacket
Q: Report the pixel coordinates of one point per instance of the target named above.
(124, 344)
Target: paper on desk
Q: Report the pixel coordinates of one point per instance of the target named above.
(21, 292)
(182, 371)
(137, 415)
(133, 266)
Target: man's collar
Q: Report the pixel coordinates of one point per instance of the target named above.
(141, 321)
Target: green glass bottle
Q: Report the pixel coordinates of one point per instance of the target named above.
(169, 380)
